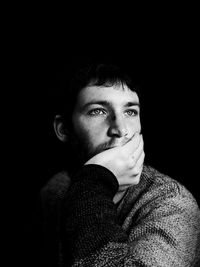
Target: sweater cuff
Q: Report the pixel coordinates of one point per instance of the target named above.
(98, 175)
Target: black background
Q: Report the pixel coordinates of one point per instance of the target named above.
(169, 110)
(163, 58)
(161, 51)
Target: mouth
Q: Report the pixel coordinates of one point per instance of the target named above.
(110, 145)
(117, 145)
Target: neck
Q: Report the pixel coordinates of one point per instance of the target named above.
(118, 196)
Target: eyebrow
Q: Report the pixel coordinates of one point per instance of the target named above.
(108, 104)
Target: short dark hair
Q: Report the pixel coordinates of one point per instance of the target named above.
(94, 72)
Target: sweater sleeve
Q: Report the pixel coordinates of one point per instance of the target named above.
(160, 235)
(89, 218)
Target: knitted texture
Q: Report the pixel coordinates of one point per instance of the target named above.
(156, 224)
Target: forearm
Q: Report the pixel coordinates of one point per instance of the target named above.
(89, 214)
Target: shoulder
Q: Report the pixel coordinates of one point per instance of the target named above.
(161, 206)
(156, 187)
(56, 187)
(159, 180)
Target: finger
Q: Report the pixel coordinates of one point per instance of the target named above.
(137, 161)
(138, 151)
(139, 164)
(131, 145)
(136, 177)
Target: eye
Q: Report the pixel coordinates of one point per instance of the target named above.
(131, 112)
(97, 112)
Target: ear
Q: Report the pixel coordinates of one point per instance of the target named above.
(60, 129)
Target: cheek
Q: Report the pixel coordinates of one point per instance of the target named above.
(134, 126)
(88, 132)
(138, 126)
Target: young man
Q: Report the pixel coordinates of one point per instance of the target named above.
(109, 208)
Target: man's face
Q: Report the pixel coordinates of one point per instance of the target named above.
(105, 117)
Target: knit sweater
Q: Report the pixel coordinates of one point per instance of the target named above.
(157, 223)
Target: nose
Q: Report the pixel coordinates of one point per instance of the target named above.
(117, 127)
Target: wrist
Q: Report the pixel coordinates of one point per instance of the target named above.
(97, 178)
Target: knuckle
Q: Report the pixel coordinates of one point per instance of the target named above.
(130, 164)
(136, 170)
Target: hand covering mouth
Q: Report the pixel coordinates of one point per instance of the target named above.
(115, 144)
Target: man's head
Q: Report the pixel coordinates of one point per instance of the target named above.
(102, 112)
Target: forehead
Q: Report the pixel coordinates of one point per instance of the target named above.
(116, 94)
